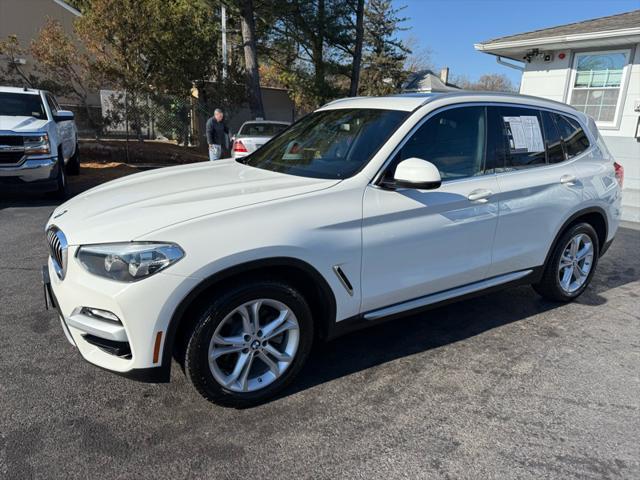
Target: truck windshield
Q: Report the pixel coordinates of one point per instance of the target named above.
(21, 105)
(331, 144)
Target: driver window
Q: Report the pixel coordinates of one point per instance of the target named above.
(453, 140)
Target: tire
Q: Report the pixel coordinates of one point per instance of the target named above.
(61, 192)
(240, 342)
(554, 285)
(73, 165)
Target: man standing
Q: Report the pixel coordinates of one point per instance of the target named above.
(218, 136)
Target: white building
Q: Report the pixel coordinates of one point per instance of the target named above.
(595, 66)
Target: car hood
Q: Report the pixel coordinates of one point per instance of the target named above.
(21, 124)
(130, 207)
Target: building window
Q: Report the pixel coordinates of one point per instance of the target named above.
(597, 83)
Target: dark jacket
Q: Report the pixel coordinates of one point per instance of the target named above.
(218, 134)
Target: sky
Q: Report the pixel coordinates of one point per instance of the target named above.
(449, 28)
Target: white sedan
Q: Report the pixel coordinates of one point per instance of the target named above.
(252, 135)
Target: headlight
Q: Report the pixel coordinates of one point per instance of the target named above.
(37, 145)
(128, 262)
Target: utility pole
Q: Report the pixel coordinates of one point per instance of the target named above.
(223, 14)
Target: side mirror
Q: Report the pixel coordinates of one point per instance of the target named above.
(63, 115)
(417, 173)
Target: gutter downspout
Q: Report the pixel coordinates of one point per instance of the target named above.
(507, 64)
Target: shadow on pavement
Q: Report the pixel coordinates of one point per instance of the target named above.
(91, 175)
(456, 322)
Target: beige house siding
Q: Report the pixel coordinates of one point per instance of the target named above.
(25, 18)
(277, 106)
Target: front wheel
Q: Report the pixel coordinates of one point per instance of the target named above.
(249, 343)
(61, 191)
(73, 166)
(571, 265)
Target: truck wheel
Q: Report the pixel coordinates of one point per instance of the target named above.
(73, 165)
(249, 343)
(61, 191)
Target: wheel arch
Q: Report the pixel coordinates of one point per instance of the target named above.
(595, 216)
(299, 273)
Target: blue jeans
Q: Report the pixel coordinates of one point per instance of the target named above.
(215, 152)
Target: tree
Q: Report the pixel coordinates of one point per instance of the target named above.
(419, 57)
(383, 70)
(12, 73)
(248, 27)
(59, 66)
(80, 5)
(308, 41)
(153, 45)
(64, 64)
(492, 82)
(357, 51)
(150, 48)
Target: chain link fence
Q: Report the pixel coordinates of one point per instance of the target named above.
(165, 118)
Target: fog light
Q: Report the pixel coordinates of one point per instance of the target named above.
(100, 314)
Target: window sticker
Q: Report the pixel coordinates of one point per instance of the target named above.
(524, 134)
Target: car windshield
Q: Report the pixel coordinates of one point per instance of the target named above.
(21, 105)
(261, 129)
(328, 144)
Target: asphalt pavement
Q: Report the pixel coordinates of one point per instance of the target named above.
(503, 386)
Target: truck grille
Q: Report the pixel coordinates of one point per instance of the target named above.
(58, 250)
(11, 149)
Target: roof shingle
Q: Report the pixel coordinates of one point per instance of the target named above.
(603, 24)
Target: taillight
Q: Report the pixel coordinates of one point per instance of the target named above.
(238, 147)
(619, 169)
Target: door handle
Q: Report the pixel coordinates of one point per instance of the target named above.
(568, 179)
(481, 195)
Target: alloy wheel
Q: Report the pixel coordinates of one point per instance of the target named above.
(575, 263)
(253, 345)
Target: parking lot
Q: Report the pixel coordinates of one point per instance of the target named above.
(503, 386)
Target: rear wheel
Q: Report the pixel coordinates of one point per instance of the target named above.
(249, 344)
(571, 265)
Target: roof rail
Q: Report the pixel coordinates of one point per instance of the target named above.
(466, 93)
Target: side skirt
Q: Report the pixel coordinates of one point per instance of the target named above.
(435, 300)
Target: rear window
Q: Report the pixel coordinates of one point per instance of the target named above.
(553, 140)
(575, 140)
(523, 137)
(21, 105)
(523, 130)
(261, 129)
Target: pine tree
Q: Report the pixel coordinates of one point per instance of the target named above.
(383, 63)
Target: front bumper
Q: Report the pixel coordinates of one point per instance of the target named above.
(134, 346)
(33, 173)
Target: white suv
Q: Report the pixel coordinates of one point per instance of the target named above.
(38, 142)
(367, 209)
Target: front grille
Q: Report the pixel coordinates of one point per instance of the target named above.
(12, 140)
(10, 158)
(11, 149)
(57, 249)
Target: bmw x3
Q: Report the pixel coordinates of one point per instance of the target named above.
(362, 211)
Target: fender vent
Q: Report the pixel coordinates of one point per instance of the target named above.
(343, 279)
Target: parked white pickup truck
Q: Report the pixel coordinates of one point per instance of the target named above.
(38, 142)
